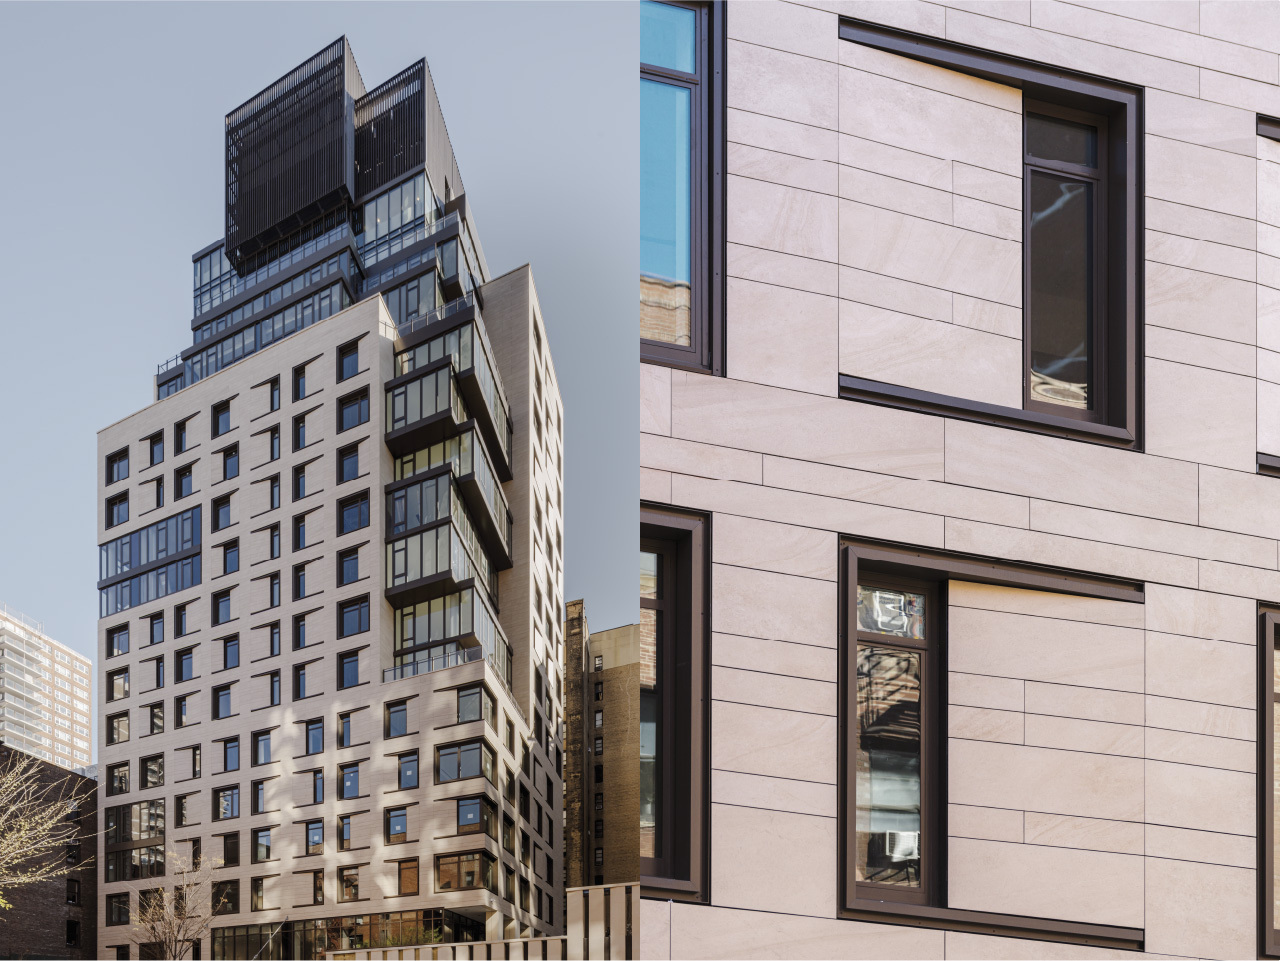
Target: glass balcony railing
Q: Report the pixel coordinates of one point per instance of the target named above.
(372, 253)
(468, 345)
(447, 631)
(467, 455)
(253, 338)
(425, 397)
(226, 284)
(452, 549)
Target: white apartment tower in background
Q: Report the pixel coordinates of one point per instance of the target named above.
(46, 690)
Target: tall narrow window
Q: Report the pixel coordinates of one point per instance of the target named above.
(893, 843)
(1269, 782)
(673, 766)
(681, 189)
(1064, 195)
(1081, 293)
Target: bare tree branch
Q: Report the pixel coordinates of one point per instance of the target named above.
(37, 822)
(168, 922)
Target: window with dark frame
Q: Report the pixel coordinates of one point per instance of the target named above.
(353, 410)
(1082, 299)
(673, 704)
(348, 361)
(348, 670)
(353, 513)
(348, 566)
(353, 617)
(117, 509)
(221, 513)
(314, 831)
(231, 462)
(118, 466)
(894, 736)
(1269, 778)
(682, 143)
(892, 815)
(220, 419)
(348, 463)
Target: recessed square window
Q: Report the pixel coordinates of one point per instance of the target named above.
(348, 464)
(117, 509)
(118, 466)
(348, 361)
(348, 566)
(353, 410)
(221, 513)
(220, 418)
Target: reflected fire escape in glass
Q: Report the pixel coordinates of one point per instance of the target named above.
(889, 737)
(1063, 187)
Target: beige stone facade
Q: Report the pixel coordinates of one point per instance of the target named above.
(520, 734)
(1102, 760)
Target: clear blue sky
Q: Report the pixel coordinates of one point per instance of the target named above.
(111, 156)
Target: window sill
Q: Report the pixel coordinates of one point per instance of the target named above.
(944, 405)
(1000, 925)
(670, 889)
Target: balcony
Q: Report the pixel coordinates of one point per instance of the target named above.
(424, 407)
(436, 560)
(477, 481)
(466, 341)
(443, 632)
(427, 497)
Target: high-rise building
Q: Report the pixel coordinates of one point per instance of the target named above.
(330, 617)
(46, 690)
(603, 751)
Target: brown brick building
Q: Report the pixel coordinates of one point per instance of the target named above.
(602, 752)
(56, 918)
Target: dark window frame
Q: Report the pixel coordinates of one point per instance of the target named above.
(680, 871)
(883, 561)
(349, 349)
(1119, 423)
(708, 139)
(215, 414)
(114, 460)
(932, 797)
(1268, 693)
(114, 515)
(360, 400)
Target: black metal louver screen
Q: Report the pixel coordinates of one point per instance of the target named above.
(288, 153)
(391, 130)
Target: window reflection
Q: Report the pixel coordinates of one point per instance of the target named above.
(1060, 288)
(884, 611)
(888, 767)
(665, 212)
(651, 623)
